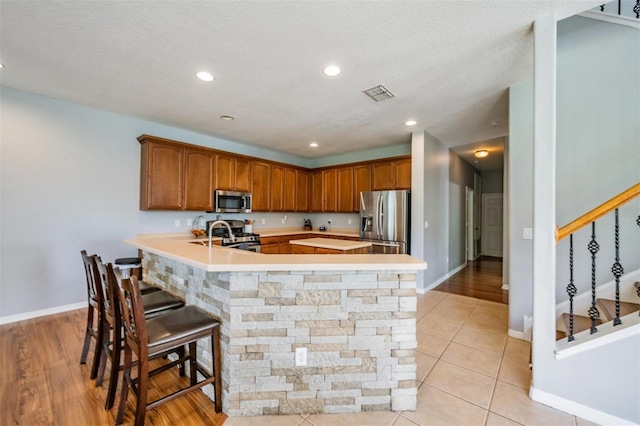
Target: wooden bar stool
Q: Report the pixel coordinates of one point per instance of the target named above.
(94, 313)
(150, 337)
(154, 304)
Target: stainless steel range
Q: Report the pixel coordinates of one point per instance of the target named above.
(243, 240)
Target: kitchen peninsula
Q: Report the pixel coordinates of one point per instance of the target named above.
(353, 314)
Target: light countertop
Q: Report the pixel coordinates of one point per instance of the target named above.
(216, 258)
(275, 232)
(330, 243)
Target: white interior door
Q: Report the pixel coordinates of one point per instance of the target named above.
(492, 225)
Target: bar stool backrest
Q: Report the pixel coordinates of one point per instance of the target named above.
(133, 319)
(91, 274)
(109, 287)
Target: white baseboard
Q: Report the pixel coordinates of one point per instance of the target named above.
(516, 334)
(577, 409)
(41, 313)
(443, 278)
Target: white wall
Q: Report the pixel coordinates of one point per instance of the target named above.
(434, 205)
(69, 181)
(520, 199)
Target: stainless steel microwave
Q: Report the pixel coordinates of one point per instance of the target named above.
(231, 201)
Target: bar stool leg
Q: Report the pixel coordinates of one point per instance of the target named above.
(87, 336)
(115, 369)
(215, 356)
(141, 402)
(97, 354)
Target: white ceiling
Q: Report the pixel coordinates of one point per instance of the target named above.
(449, 64)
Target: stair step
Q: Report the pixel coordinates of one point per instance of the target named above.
(608, 308)
(580, 323)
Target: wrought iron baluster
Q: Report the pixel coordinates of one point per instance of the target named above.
(571, 288)
(636, 9)
(593, 246)
(619, 8)
(602, 8)
(638, 219)
(617, 271)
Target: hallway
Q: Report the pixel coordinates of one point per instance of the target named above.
(481, 279)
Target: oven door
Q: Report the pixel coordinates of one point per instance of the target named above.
(245, 246)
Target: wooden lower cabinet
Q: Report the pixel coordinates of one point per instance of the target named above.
(302, 249)
(270, 248)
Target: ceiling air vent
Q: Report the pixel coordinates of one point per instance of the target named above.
(378, 93)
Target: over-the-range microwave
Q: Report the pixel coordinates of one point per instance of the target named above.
(231, 201)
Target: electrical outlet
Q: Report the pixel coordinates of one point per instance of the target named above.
(329, 221)
(264, 221)
(189, 222)
(301, 357)
(177, 222)
(349, 222)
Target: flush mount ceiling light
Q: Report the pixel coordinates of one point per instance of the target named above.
(1, 65)
(481, 153)
(313, 144)
(410, 123)
(227, 117)
(331, 71)
(204, 76)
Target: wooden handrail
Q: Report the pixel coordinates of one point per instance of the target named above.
(598, 212)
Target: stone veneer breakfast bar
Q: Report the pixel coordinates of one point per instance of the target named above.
(355, 314)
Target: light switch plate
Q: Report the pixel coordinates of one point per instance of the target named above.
(527, 233)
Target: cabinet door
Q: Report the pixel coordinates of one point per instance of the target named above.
(285, 248)
(361, 183)
(403, 173)
(382, 176)
(260, 185)
(243, 175)
(345, 189)
(277, 188)
(322, 250)
(269, 249)
(316, 192)
(162, 177)
(295, 249)
(289, 189)
(199, 179)
(302, 191)
(225, 172)
(330, 190)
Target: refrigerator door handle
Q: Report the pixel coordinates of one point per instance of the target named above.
(380, 216)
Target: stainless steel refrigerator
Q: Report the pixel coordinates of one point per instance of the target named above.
(384, 221)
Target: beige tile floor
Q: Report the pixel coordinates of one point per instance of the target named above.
(469, 372)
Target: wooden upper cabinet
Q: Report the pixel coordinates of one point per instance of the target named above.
(243, 174)
(225, 172)
(382, 175)
(330, 190)
(361, 183)
(403, 173)
(277, 188)
(345, 190)
(233, 173)
(260, 186)
(161, 176)
(316, 191)
(199, 179)
(289, 189)
(303, 191)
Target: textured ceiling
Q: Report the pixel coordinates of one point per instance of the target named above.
(449, 64)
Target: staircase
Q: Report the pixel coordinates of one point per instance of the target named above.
(607, 303)
(606, 306)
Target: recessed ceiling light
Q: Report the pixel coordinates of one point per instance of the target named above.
(410, 123)
(204, 76)
(313, 144)
(481, 153)
(227, 117)
(1, 65)
(331, 71)
(495, 123)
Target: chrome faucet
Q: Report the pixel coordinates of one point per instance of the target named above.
(231, 237)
